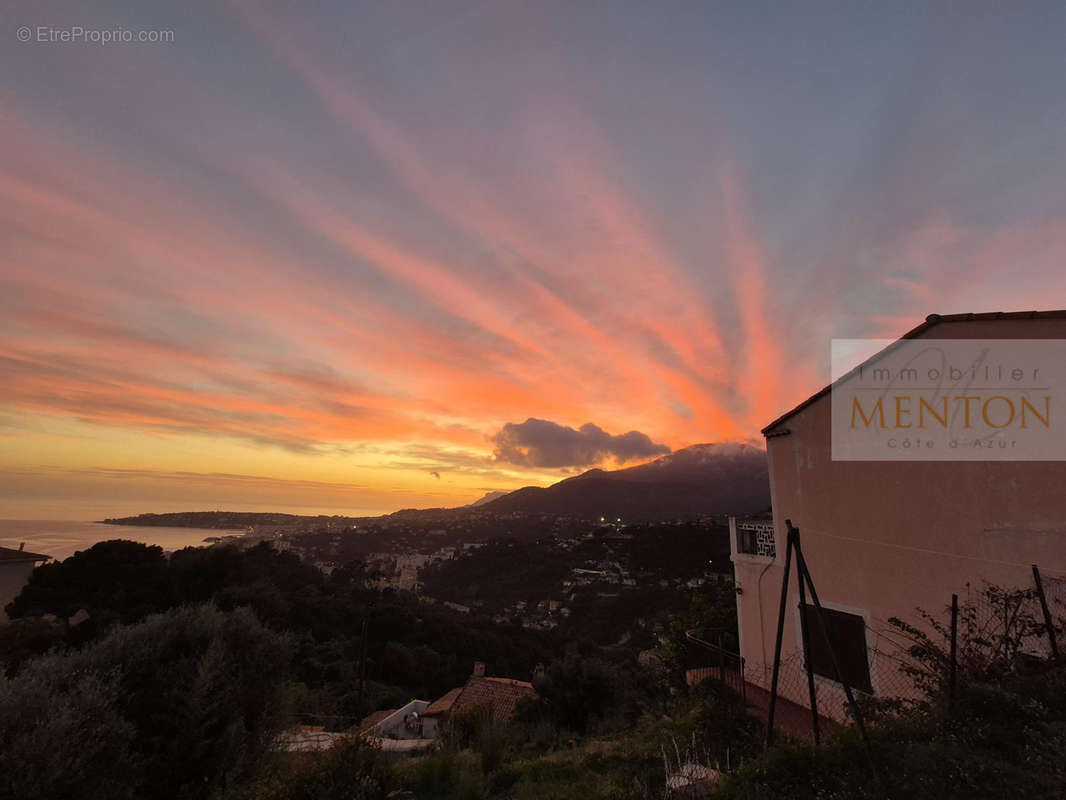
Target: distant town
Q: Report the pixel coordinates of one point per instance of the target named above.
(526, 568)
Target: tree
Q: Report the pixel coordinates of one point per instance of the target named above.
(176, 708)
(580, 693)
(63, 737)
(117, 580)
(23, 639)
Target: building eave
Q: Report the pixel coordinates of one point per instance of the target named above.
(933, 319)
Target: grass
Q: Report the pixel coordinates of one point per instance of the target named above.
(623, 764)
(998, 742)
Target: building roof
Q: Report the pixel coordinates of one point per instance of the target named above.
(9, 554)
(502, 695)
(381, 718)
(914, 333)
(371, 720)
(444, 704)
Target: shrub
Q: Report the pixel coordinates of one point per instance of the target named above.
(62, 737)
(451, 775)
(723, 725)
(997, 743)
(586, 694)
(995, 630)
(23, 639)
(178, 706)
(354, 769)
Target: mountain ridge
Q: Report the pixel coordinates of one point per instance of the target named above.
(722, 478)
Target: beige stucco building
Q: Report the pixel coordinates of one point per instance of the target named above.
(884, 537)
(15, 569)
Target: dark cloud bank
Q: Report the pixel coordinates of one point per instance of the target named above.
(542, 443)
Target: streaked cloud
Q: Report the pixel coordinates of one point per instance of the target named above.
(351, 247)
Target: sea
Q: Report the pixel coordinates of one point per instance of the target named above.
(62, 538)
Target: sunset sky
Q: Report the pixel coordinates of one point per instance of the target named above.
(390, 254)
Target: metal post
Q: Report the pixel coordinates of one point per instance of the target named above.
(1047, 613)
(806, 638)
(801, 565)
(780, 632)
(953, 666)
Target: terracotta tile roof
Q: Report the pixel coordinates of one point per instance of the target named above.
(10, 554)
(501, 694)
(510, 682)
(444, 704)
(914, 333)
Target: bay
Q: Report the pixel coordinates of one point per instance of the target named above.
(61, 538)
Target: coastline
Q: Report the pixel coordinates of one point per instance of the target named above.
(60, 539)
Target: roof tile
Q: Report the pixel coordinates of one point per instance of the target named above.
(502, 695)
(443, 704)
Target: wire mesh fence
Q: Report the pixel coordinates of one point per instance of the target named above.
(1055, 590)
(912, 662)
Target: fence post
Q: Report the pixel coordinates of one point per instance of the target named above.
(805, 632)
(1047, 613)
(780, 633)
(952, 667)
